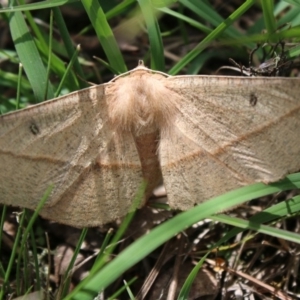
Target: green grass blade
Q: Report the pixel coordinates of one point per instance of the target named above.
(67, 276)
(44, 47)
(71, 50)
(30, 57)
(208, 13)
(105, 35)
(19, 86)
(294, 2)
(268, 11)
(38, 5)
(13, 254)
(68, 70)
(119, 8)
(261, 38)
(56, 65)
(186, 19)
(292, 18)
(49, 51)
(117, 294)
(276, 232)
(211, 37)
(184, 292)
(156, 45)
(272, 213)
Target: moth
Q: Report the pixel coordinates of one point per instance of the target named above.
(200, 134)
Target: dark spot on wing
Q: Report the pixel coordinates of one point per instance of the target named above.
(34, 128)
(253, 99)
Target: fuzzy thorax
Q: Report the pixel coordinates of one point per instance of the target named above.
(140, 101)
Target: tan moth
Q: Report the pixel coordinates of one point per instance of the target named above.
(200, 134)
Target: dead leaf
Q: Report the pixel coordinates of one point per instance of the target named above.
(200, 133)
(37, 295)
